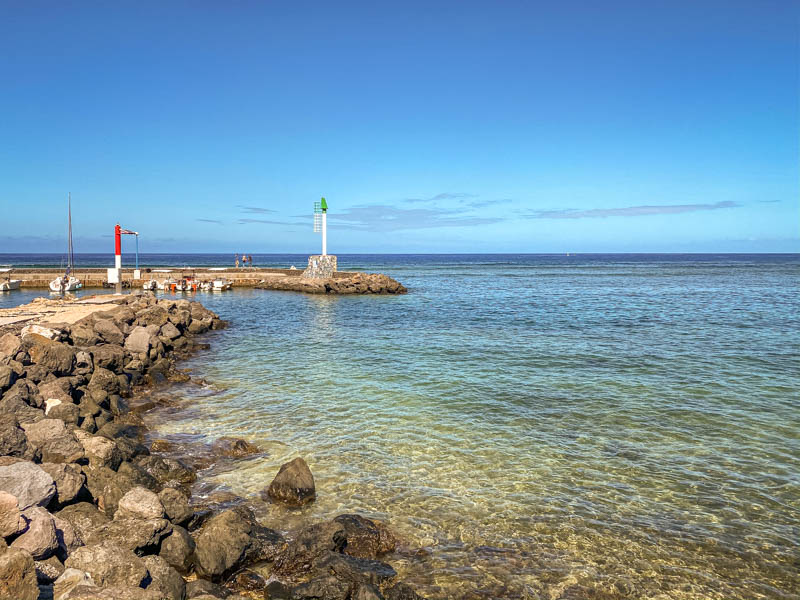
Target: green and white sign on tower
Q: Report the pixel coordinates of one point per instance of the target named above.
(320, 222)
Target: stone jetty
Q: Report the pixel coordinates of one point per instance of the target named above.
(90, 511)
(341, 283)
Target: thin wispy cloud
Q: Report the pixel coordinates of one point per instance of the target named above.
(217, 221)
(255, 210)
(384, 218)
(263, 221)
(443, 196)
(630, 211)
(485, 203)
(768, 201)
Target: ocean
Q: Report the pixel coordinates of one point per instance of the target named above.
(532, 426)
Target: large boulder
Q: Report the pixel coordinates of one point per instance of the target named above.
(231, 540)
(169, 331)
(83, 334)
(84, 518)
(176, 505)
(139, 503)
(109, 565)
(138, 341)
(54, 356)
(309, 546)
(108, 356)
(155, 315)
(165, 579)
(293, 485)
(17, 576)
(178, 549)
(29, 483)
(12, 437)
(56, 443)
(39, 539)
(57, 389)
(104, 380)
(109, 331)
(69, 481)
(101, 451)
(141, 536)
(7, 377)
(10, 344)
(365, 538)
(11, 520)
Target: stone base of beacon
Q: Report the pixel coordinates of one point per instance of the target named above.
(320, 267)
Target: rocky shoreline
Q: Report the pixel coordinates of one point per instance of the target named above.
(358, 283)
(88, 511)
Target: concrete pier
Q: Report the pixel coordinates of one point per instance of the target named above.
(96, 278)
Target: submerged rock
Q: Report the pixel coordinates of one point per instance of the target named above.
(294, 484)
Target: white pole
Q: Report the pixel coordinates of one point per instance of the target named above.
(324, 234)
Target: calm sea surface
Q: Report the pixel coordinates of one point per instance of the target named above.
(601, 427)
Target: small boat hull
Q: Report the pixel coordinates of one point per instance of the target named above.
(61, 285)
(10, 284)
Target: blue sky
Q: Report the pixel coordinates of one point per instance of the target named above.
(429, 126)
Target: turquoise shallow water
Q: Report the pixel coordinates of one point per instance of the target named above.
(533, 427)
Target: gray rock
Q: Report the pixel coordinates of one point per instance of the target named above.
(55, 442)
(11, 519)
(104, 380)
(109, 565)
(232, 539)
(7, 377)
(29, 483)
(54, 356)
(69, 413)
(57, 389)
(178, 549)
(84, 363)
(69, 481)
(83, 334)
(40, 538)
(69, 580)
(107, 330)
(155, 315)
(108, 356)
(138, 342)
(294, 484)
(17, 576)
(169, 330)
(141, 536)
(12, 438)
(139, 503)
(176, 505)
(166, 579)
(9, 345)
(84, 518)
(101, 451)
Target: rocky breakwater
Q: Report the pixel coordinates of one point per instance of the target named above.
(357, 283)
(88, 511)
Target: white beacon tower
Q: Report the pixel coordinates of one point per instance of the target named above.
(321, 266)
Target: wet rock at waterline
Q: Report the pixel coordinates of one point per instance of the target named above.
(293, 485)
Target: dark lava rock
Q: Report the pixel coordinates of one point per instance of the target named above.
(165, 470)
(53, 440)
(247, 580)
(311, 545)
(356, 570)
(366, 592)
(234, 447)
(12, 438)
(231, 540)
(108, 356)
(365, 538)
(7, 377)
(165, 579)
(294, 484)
(54, 356)
(104, 380)
(176, 505)
(178, 549)
(327, 588)
(109, 331)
